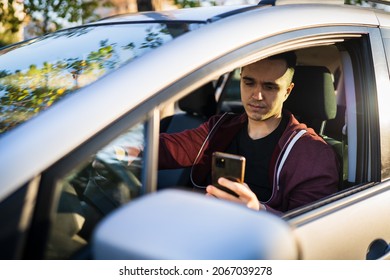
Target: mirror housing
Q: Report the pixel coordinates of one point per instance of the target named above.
(182, 225)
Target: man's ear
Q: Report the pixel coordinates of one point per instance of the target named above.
(288, 91)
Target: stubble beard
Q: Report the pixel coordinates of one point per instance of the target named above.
(258, 117)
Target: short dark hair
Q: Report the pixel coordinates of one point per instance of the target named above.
(289, 57)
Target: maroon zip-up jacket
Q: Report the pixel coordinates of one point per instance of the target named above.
(310, 171)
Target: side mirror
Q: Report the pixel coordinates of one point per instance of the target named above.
(181, 225)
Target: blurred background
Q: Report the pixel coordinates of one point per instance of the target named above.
(25, 19)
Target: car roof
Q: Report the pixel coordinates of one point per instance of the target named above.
(214, 13)
(198, 14)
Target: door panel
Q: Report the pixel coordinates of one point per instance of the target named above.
(346, 228)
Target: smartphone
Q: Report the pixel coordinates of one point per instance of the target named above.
(229, 166)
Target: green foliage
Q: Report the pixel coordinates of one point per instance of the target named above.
(187, 3)
(27, 92)
(10, 22)
(353, 2)
(193, 3)
(51, 15)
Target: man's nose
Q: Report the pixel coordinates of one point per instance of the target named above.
(257, 94)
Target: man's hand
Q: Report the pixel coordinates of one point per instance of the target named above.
(244, 194)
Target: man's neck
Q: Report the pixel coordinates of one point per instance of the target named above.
(260, 129)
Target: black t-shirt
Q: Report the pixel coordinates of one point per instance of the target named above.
(258, 155)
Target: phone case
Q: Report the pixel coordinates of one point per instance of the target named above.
(229, 166)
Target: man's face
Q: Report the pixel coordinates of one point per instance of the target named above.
(265, 85)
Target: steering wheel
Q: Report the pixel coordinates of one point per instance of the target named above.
(111, 184)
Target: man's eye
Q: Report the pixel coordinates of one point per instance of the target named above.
(271, 87)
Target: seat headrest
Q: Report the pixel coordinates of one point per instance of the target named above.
(313, 96)
(200, 102)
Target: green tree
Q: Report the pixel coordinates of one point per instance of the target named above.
(27, 92)
(187, 3)
(11, 19)
(353, 2)
(50, 15)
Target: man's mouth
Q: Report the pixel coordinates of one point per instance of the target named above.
(257, 106)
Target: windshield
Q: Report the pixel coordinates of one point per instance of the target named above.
(38, 73)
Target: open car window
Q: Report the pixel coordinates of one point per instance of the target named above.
(331, 119)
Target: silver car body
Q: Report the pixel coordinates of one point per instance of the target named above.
(342, 229)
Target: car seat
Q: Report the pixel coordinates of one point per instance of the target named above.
(196, 108)
(313, 98)
(313, 102)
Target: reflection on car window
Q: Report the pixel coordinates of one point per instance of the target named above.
(109, 179)
(38, 73)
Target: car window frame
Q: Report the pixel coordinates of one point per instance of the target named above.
(17, 211)
(382, 72)
(367, 177)
(369, 153)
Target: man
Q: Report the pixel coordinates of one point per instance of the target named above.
(288, 164)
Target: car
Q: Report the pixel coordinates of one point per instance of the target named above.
(70, 100)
